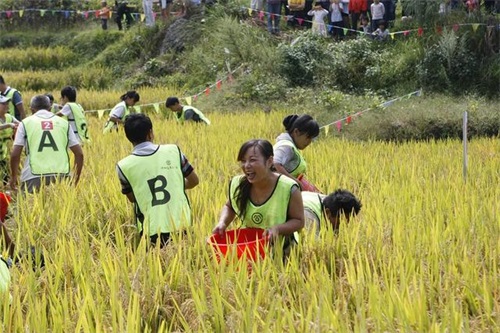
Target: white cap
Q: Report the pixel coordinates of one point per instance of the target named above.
(4, 99)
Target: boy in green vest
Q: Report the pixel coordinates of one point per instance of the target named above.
(74, 113)
(7, 125)
(319, 208)
(46, 138)
(154, 178)
(16, 106)
(185, 112)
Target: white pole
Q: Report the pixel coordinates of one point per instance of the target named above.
(464, 139)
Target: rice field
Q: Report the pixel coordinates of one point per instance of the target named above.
(423, 255)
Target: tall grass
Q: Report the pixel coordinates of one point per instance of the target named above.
(422, 256)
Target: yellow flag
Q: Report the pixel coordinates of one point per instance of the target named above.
(188, 100)
(250, 11)
(110, 14)
(100, 113)
(137, 108)
(327, 129)
(42, 12)
(21, 13)
(157, 107)
(143, 17)
(392, 35)
(475, 26)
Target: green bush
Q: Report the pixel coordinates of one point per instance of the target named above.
(89, 44)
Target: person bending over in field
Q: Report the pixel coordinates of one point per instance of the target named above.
(185, 112)
(46, 138)
(74, 113)
(262, 198)
(154, 178)
(327, 211)
(300, 131)
(121, 110)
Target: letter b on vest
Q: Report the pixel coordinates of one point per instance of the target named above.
(158, 186)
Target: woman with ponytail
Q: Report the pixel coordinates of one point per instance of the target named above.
(121, 110)
(262, 198)
(300, 131)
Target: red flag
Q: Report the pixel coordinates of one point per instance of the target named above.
(300, 20)
(97, 12)
(406, 32)
(339, 125)
(9, 13)
(348, 120)
(207, 91)
(230, 78)
(272, 16)
(218, 84)
(420, 32)
(86, 14)
(261, 15)
(195, 97)
(456, 27)
(439, 30)
(154, 15)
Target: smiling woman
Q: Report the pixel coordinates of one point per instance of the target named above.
(262, 198)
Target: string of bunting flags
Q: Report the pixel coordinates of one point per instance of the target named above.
(420, 30)
(217, 85)
(348, 119)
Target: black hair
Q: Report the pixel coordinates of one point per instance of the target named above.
(69, 92)
(131, 94)
(171, 101)
(2, 81)
(137, 127)
(342, 202)
(304, 124)
(243, 190)
(50, 96)
(382, 22)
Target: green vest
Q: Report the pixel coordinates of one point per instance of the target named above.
(274, 211)
(181, 119)
(80, 121)
(5, 137)
(158, 185)
(4, 279)
(313, 202)
(12, 107)
(112, 125)
(47, 144)
(302, 166)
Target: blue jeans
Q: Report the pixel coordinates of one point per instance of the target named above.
(274, 9)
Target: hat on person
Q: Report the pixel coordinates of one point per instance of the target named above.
(4, 99)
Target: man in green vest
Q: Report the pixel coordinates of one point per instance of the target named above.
(46, 138)
(154, 178)
(185, 112)
(74, 113)
(319, 208)
(16, 107)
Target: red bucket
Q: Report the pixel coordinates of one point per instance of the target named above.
(4, 205)
(249, 243)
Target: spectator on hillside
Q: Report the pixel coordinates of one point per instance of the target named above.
(382, 32)
(390, 11)
(273, 19)
(104, 14)
(123, 9)
(154, 178)
(296, 9)
(54, 107)
(16, 106)
(444, 8)
(256, 6)
(345, 13)
(147, 6)
(318, 13)
(365, 26)
(47, 159)
(185, 112)
(336, 20)
(378, 12)
(356, 9)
